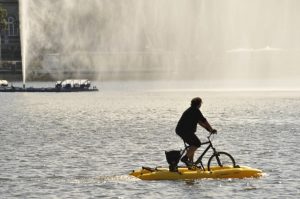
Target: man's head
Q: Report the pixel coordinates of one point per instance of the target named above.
(196, 102)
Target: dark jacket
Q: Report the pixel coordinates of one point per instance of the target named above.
(189, 120)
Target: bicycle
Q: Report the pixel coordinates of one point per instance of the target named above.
(218, 158)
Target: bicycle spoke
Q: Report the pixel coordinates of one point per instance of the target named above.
(221, 159)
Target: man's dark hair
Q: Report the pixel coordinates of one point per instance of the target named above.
(196, 102)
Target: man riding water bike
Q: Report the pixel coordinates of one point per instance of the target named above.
(187, 127)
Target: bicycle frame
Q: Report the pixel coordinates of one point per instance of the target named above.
(210, 145)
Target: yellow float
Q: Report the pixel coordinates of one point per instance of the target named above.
(183, 173)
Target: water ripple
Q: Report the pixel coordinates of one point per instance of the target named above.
(84, 145)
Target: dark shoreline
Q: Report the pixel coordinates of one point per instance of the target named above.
(38, 90)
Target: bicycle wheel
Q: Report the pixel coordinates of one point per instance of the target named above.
(220, 159)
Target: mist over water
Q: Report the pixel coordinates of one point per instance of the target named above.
(230, 40)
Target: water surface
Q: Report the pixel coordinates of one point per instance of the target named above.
(83, 145)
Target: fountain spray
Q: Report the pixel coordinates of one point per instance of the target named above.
(23, 26)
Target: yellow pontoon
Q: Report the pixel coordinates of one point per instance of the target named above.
(160, 173)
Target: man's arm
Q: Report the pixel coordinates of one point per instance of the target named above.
(207, 126)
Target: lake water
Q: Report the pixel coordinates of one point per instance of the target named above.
(83, 145)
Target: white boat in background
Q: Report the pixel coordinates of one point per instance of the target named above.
(3, 83)
(69, 85)
(73, 83)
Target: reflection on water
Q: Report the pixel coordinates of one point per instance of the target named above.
(81, 145)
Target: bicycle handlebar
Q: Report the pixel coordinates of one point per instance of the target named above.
(210, 134)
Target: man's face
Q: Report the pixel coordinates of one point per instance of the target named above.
(200, 104)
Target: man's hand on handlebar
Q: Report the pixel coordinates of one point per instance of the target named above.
(213, 131)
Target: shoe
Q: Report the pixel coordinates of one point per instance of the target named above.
(186, 161)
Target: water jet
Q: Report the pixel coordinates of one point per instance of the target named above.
(188, 40)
